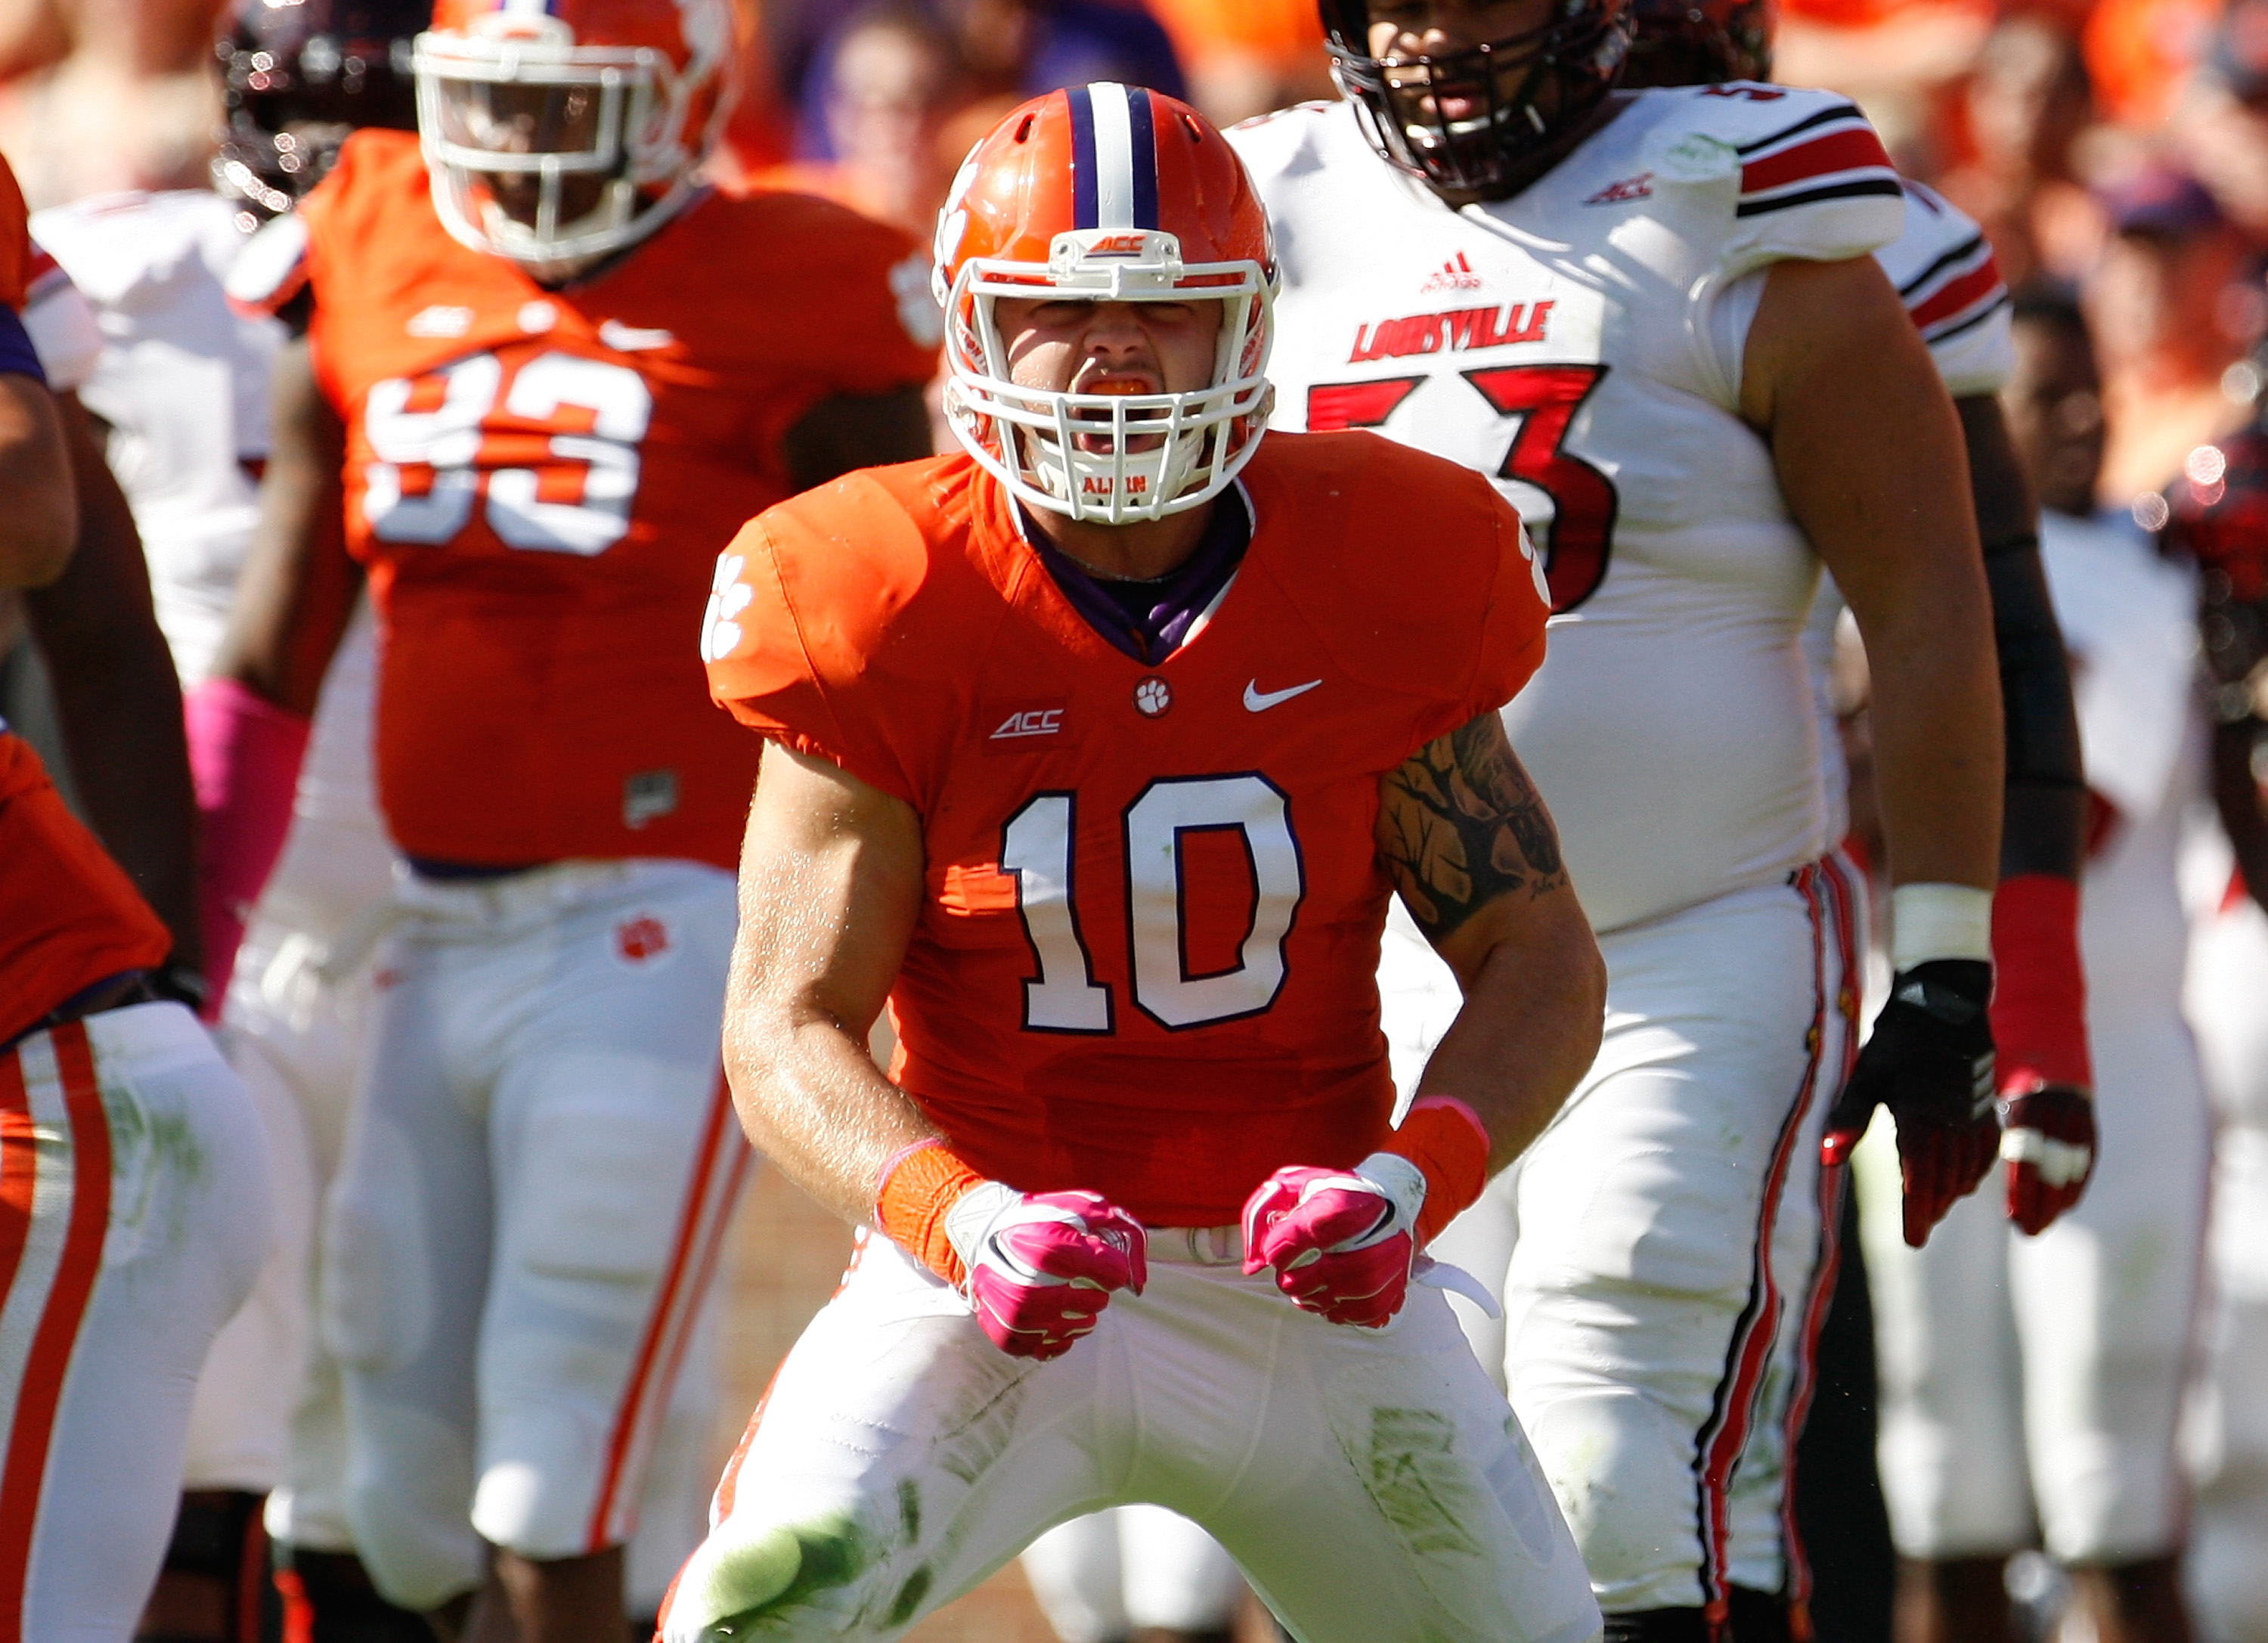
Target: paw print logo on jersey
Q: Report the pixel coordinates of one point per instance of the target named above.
(728, 597)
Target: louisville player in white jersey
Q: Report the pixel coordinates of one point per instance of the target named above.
(519, 1251)
(2036, 1383)
(1946, 275)
(2215, 511)
(1654, 319)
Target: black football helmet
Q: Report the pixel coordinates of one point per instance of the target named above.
(296, 77)
(1701, 43)
(1490, 119)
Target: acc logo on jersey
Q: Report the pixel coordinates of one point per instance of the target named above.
(1637, 187)
(1032, 725)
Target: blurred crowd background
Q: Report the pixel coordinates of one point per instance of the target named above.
(2117, 148)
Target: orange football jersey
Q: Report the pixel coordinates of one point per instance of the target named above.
(1145, 964)
(16, 252)
(538, 480)
(69, 915)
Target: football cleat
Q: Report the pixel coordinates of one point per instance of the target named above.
(1106, 193)
(560, 131)
(1485, 119)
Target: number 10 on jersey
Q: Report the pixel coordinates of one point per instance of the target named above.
(1158, 832)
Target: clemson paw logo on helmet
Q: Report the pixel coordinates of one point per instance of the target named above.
(912, 282)
(728, 597)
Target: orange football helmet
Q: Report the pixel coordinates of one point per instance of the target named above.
(558, 131)
(1106, 193)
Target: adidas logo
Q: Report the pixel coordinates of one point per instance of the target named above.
(1454, 274)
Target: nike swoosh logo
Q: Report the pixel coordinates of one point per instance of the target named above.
(631, 339)
(1259, 700)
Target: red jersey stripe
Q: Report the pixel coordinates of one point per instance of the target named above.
(42, 1392)
(676, 1300)
(1976, 285)
(1852, 150)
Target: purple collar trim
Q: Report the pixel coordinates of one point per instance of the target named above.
(1150, 620)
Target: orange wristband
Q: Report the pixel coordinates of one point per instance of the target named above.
(1448, 1143)
(919, 1184)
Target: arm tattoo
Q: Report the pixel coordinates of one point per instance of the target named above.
(1460, 824)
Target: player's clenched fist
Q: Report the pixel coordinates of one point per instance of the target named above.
(1343, 1242)
(1037, 1267)
(1041, 1265)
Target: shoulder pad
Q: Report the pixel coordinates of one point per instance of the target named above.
(1282, 143)
(1807, 176)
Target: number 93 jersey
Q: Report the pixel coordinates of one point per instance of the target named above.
(1581, 343)
(1144, 958)
(537, 481)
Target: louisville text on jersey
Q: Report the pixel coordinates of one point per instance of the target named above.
(1459, 329)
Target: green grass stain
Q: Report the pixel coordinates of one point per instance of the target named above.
(910, 1595)
(909, 1510)
(968, 1448)
(830, 1554)
(150, 1155)
(1418, 1481)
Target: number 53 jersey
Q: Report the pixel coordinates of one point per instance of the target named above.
(537, 481)
(1581, 343)
(1144, 956)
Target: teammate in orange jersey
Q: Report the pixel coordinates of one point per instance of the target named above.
(1098, 750)
(549, 371)
(133, 1172)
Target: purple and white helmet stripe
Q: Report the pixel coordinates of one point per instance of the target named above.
(1114, 157)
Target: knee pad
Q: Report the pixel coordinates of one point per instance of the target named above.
(331, 1600)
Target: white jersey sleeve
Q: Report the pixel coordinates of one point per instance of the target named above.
(182, 381)
(62, 324)
(1814, 180)
(1945, 274)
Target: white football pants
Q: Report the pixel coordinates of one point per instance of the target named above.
(269, 1411)
(2037, 1382)
(1660, 1249)
(133, 1216)
(1370, 1482)
(2228, 1001)
(523, 1238)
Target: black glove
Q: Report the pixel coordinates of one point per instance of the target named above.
(1929, 1060)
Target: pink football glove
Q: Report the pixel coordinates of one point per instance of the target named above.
(1342, 1241)
(2047, 1141)
(1042, 1265)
